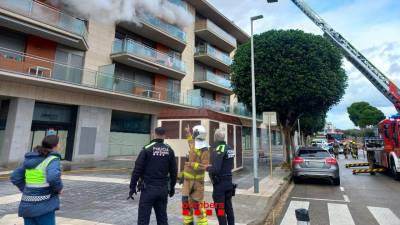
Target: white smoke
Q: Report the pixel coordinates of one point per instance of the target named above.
(126, 10)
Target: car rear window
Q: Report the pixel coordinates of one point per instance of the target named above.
(318, 153)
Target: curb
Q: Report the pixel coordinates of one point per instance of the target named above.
(273, 201)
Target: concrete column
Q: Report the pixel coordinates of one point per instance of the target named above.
(18, 130)
(154, 124)
(92, 133)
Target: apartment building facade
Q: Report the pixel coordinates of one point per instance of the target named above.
(102, 86)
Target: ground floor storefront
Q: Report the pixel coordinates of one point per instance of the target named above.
(86, 133)
(96, 133)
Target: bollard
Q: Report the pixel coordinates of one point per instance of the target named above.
(302, 217)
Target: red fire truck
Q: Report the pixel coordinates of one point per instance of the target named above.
(388, 155)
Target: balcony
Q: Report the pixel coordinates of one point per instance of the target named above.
(159, 31)
(33, 70)
(212, 57)
(211, 81)
(39, 19)
(208, 31)
(135, 54)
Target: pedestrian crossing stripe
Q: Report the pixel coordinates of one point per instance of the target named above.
(290, 216)
(368, 170)
(384, 216)
(356, 164)
(339, 214)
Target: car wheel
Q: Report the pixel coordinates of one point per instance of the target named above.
(336, 181)
(296, 180)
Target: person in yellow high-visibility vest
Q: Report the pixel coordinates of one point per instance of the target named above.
(39, 180)
(193, 175)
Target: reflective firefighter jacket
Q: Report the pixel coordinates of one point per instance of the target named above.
(198, 159)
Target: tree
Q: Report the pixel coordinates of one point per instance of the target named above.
(312, 123)
(362, 114)
(296, 74)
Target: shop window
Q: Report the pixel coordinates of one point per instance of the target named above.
(4, 105)
(44, 112)
(127, 122)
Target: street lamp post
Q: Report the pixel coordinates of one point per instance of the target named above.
(253, 105)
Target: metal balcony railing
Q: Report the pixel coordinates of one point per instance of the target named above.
(164, 26)
(207, 75)
(213, 52)
(46, 14)
(136, 48)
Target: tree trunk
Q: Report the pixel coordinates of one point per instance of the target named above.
(287, 132)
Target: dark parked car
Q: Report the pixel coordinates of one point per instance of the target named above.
(315, 162)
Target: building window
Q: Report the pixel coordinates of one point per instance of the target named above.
(127, 122)
(4, 105)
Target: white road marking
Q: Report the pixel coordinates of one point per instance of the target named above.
(341, 188)
(5, 172)
(320, 199)
(96, 179)
(8, 199)
(346, 198)
(384, 216)
(339, 214)
(15, 220)
(290, 216)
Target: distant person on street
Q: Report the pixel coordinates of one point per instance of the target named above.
(156, 167)
(336, 147)
(346, 150)
(39, 180)
(221, 177)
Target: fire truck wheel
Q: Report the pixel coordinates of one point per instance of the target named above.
(393, 170)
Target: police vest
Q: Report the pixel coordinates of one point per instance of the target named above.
(36, 178)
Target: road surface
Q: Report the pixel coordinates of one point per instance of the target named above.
(359, 200)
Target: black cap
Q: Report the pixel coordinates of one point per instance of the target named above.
(160, 131)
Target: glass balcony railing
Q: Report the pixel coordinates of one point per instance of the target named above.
(207, 75)
(33, 66)
(213, 52)
(136, 48)
(168, 28)
(180, 3)
(209, 25)
(46, 14)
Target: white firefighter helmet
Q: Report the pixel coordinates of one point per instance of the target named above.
(199, 134)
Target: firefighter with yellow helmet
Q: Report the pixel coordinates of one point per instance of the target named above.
(193, 175)
(354, 150)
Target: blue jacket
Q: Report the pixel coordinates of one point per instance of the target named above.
(53, 175)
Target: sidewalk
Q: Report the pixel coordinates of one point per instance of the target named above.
(95, 193)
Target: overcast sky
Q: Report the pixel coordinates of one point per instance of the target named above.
(372, 26)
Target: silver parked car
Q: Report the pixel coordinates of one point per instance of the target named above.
(315, 162)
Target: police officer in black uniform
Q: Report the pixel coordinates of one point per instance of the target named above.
(156, 167)
(220, 172)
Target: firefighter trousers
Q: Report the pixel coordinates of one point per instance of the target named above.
(192, 202)
(222, 195)
(153, 197)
